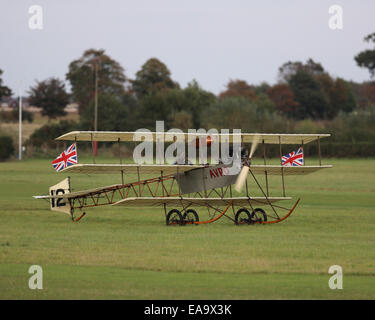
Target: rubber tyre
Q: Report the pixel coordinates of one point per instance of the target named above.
(171, 218)
(239, 220)
(255, 215)
(188, 213)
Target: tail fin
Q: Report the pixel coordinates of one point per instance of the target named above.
(60, 204)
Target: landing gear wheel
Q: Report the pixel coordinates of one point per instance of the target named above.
(259, 215)
(174, 217)
(243, 216)
(190, 216)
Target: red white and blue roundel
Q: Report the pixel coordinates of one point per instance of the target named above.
(66, 159)
(293, 159)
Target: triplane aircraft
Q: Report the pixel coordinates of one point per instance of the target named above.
(179, 189)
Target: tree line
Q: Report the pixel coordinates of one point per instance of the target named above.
(306, 97)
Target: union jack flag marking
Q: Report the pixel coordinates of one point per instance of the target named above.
(66, 159)
(293, 159)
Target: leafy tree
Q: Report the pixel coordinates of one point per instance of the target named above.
(261, 88)
(239, 88)
(81, 75)
(240, 113)
(289, 69)
(6, 147)
(309, 94)
(283, 98)
(50, 95)
(327, 96)
(4, 91)
(164, 105)
(230, 113)
(114, 114)
(153, 77)
(45, 135)
(264, 103)
(364, 93)
(343, 97)
(370, 93)
(131, 106)
(366, 59)
(196, 100)
(182, 120)
(339, 95)
(154, 107)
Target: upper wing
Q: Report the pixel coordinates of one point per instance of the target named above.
(118, 136)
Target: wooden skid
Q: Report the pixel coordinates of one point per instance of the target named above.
(284, 217)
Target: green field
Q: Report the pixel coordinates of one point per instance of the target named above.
(119, 253)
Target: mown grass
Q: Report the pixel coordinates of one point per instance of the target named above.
(120, 253)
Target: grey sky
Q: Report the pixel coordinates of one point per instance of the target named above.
(211, 41)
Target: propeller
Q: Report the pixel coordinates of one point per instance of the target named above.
(241, 179)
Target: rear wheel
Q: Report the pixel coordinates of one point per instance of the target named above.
(259, 215)
(174, 217)
(243, 216)
(190, 216)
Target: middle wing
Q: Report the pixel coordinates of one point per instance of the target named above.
(171, 169)
(130, 168)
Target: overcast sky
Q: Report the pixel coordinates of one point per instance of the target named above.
(211, 41)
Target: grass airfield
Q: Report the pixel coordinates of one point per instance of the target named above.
(120, 253)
